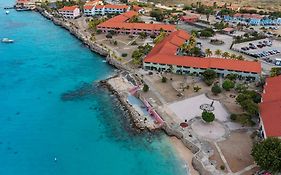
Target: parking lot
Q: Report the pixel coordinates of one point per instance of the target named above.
(265, 50)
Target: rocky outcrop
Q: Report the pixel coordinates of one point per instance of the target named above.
(200, 160)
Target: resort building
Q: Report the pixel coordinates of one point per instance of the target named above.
(252, 19)
(165, 57)
(70, 11)
(270, 108)
(189, 19)
(92, 10)
(120, 24)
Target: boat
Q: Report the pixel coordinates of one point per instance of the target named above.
(7, 12)
(7, 40)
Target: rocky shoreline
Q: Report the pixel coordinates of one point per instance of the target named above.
(200, 159)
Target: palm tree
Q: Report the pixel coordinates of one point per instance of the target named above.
(240, 57)
(233, 56)
(208, 52)
(218, 52)
(225, 55)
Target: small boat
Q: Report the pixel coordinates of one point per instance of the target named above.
(7, 12)
(7, 40)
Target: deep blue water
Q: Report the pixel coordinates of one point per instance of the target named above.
(43, 115)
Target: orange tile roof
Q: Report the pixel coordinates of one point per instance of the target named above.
(88, 7)
(137, 8)
(165, 53)
(68, 8)
(113, 6)
(95, 2)
(120, 22)
(99, 6)
(270, 107)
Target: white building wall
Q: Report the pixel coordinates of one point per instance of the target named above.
(192, 70)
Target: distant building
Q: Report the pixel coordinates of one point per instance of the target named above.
(189, 19)
(270, 108)
(141, 1)
(120, 24)
(228, 30)
(138, 9)
(25, 4)
(252, 19)
(92, 10)
(165, 57)
(70, 11)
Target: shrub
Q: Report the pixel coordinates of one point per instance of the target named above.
(145, 88)
(216, 89)
(208, 76)
(115, 43)
(208, 116)
(164, 80)
(124, 55)
(196, 88)
(108, 36)
(233, 117)
(99, 31)
(222, 167)
(228, 84)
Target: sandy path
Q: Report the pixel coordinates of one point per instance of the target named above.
(185, 154)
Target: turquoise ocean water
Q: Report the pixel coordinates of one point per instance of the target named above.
(43, 115)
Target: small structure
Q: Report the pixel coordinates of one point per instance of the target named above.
(70, 11)
(138, 9)
(189, 19)
(228, 30)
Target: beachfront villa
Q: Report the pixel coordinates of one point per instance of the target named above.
(164, 57)
(71, 12)
(252, 19)
(120, 24)
(92, 10)
(270, 119)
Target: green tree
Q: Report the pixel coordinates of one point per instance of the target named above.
(218, 52)
(267, 154)
(159, 38)
(216, 89)
(157, 14)
(145, 88)
(228, 84)
(233, 56)
(241, 87)
(250, 107)
(208, 116)
(208, 52)
(232, 76)
(209, 76)
(164, 79)
(225, 55)
(240, 57)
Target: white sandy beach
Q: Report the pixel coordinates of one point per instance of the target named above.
(184, 153)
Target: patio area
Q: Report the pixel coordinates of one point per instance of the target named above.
(192, 107)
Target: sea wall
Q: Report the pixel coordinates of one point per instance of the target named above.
(200, 160)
